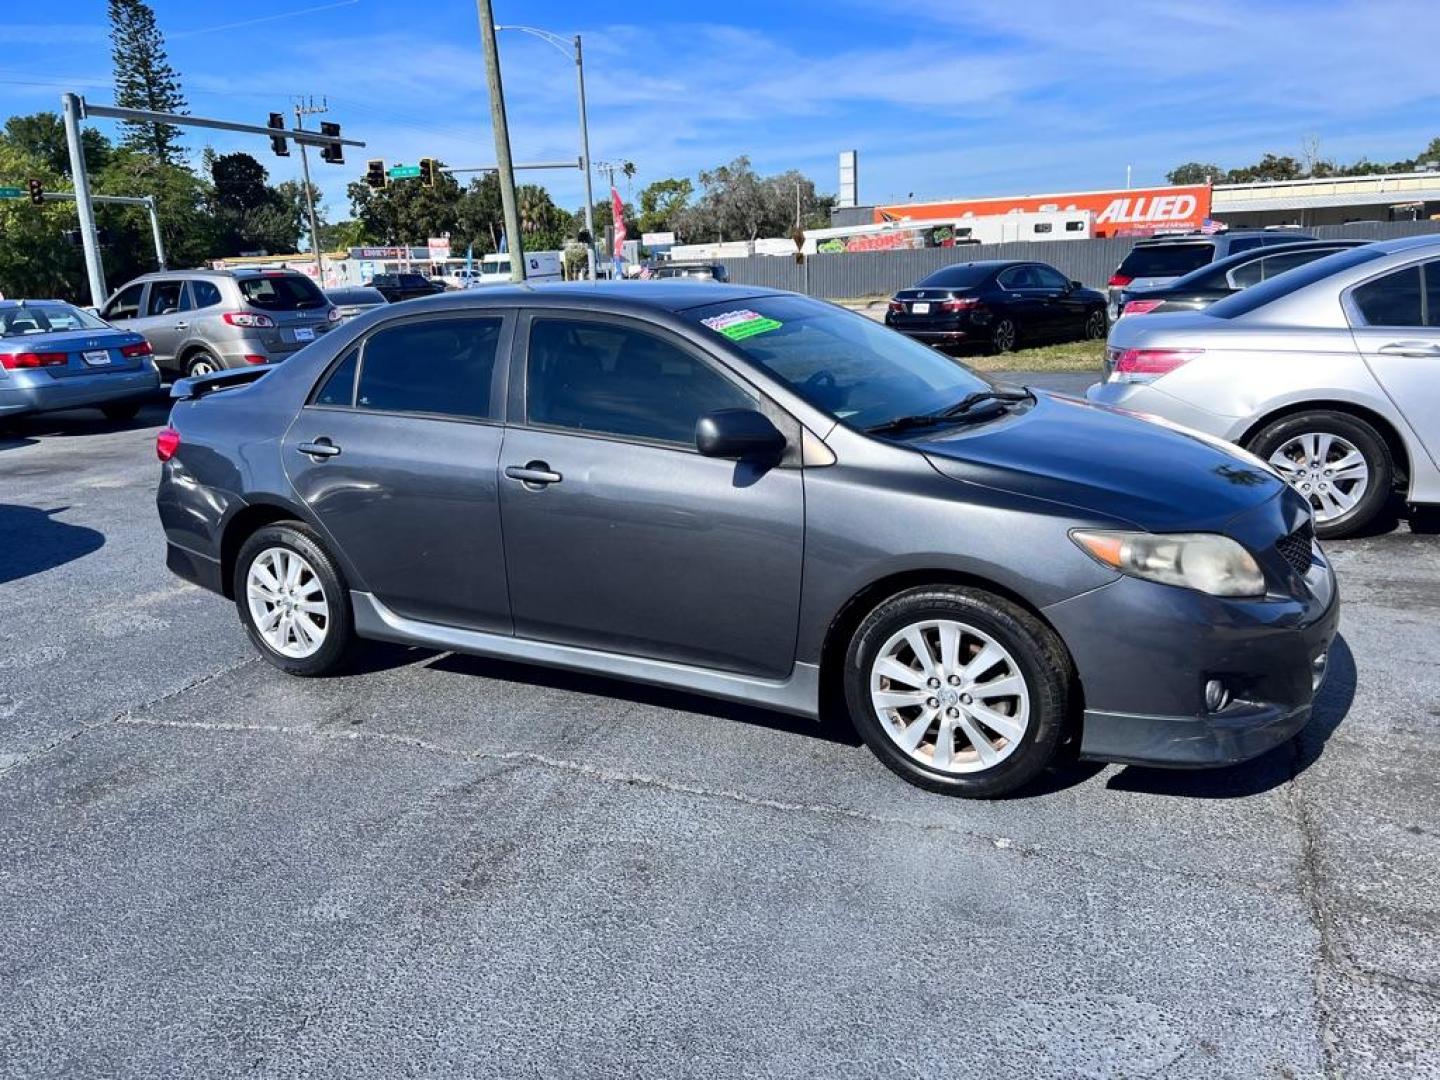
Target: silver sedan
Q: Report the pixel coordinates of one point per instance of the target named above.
(1329, 372)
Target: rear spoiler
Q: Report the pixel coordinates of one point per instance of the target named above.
(198, 387)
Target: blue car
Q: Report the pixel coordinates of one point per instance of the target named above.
(55, 356)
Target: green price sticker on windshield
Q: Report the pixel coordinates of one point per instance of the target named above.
(742, 324)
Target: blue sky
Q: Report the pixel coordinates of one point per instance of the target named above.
(968, 97)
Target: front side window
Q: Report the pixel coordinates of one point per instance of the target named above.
(843, 364)
(167, 297)
(1050, 278)
(1395, 299)
(126, 304)
(1019, 277)
(441, 367)
(617, 380)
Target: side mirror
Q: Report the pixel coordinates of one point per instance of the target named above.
(737, 433)
(1077, 284)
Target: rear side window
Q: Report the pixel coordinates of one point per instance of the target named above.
(167, 297)
(1166, 260)
(206, 293)
(339, 388)
(1393, 300)
(1246, 243)
(1242, 303)
(438, 366)
(288, 292)
(1276, 265)
(610, 379)
(1247, 274)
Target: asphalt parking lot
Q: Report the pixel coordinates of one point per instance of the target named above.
(447, 866)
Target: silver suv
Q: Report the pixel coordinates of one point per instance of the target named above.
(201, 321)
(1160, 260)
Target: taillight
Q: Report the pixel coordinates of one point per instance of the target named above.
(897, 307)
(139, 348)
(960, 303)
(1120, 280)
(1140, 307)
(334, 315)
(251, 319)
(166, 443)
(1146, 365)
(33, 359)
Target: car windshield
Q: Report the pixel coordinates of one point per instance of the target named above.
(956, 277)
(842, 363)
(21, 321)
(1292, 280)
(281, 292)
(1165, 260)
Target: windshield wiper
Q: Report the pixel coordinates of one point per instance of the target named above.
(950, 412)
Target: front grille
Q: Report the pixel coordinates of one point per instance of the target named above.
(1297, 548)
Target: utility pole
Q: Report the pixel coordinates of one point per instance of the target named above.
(81, 179)
(304, 108)
(585, 159)
(502, 139)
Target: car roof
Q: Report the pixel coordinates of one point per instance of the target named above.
(629, 295)
(25, 301)
(1269, 250)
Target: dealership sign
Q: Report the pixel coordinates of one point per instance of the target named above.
(1137, 212)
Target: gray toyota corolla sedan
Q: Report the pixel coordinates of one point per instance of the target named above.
(761, 497)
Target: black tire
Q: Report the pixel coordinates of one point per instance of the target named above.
(200, 359)
(339, 645)
(1097, 325)
(121, 412)
(1038, 653)
(1004, 336)
(1358, 433)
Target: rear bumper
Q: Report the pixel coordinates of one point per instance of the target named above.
(38, 391)
(200, 569)
(1150, 398)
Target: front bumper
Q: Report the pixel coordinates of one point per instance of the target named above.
(37, 391)
(1145, 651)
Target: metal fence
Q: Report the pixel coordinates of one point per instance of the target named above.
(880, 273)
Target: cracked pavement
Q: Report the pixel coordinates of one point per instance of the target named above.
(447, 866)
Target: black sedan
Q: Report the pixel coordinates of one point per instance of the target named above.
(999, 304)
(1217, 280)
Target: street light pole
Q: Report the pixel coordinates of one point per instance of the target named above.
(502, 139)
(301, 111)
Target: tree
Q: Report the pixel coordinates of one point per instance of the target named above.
(144, 79)
(662, 202)
(42, 136)
(737, 204)
(1195, 172)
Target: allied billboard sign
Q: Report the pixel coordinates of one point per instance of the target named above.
(1125, 212)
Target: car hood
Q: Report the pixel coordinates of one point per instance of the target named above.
(1106, 461)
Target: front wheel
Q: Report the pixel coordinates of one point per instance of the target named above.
(293, 602)
(1337, 462)
(958, 691)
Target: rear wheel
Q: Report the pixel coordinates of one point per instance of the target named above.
(1004, 336)
(1337, 462)
(1096, 325)
(293, 601)
(201, 363)
(957, 690)
(122, 412)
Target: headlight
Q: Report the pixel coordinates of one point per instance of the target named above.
(1208, 562)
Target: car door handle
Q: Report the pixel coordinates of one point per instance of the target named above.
(182, 326)
(1409, 348)
(319, 449)
(534, 474)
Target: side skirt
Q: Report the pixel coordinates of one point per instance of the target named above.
(798, 694)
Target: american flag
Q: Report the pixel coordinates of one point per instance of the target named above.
(1210, 226)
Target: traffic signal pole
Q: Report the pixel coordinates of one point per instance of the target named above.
(145, 202)
(301, 111)
(89, 238)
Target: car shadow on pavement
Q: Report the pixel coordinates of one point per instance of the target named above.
(32, 541)
(83, 422)
(831, 730)
(14, 440)
(1269, 771)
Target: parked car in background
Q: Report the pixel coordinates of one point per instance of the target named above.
(397, 287)
(353, 300)
(694, 271)
(1327, 372)
(1224, 277)
(761, 497)
(55, 356)
(999, 304)
(202, 321)
(1160, 260)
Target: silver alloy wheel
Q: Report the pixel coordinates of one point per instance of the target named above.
(287, 602)
(1095, 326)
(1328, 470)
(1003, 336)
(950, 696)
(204, 364)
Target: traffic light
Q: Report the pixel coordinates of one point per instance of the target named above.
(277, 142)
(429, 170)
(37, 190)
(375, 173)
(331, 152)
